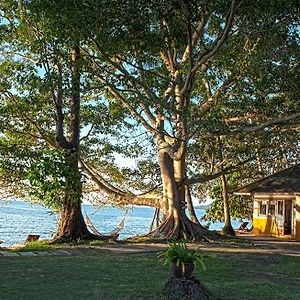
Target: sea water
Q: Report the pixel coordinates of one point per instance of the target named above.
(19, 218)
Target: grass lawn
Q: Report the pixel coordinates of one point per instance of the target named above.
(139, 276)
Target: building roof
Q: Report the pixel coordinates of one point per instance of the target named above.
(283, 182)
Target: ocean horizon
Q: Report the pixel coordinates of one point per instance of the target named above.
(19, 218)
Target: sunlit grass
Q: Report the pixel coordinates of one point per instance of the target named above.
(140, 276)
(34, 246)
(45, 245)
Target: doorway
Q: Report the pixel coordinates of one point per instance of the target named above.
(288, 217)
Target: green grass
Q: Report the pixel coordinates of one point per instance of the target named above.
(140, 276)
(45, 245)
(35, 246)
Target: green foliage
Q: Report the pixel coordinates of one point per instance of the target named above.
(123, 42)
(52, 177)
(16, 157)
(179, 253)
(240, 207)
(267, 152)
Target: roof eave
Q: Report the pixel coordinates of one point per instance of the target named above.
(243, 193)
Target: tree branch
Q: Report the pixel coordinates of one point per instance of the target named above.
(206, 178)
(89, 132)
(23, 116)
(118, 197)
(198, 32)
(26, 57)
(221, 39)
(277, 121)
(116, 94)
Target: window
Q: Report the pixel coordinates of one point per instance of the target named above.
(262, 207)
(280, 208)
(271, 209)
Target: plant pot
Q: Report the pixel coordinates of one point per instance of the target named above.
(184, 270)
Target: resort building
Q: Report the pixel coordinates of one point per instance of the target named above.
(276, 207)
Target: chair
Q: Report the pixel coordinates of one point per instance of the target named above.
(243, 227)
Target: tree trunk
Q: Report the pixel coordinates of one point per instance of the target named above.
(176, 225)
(227, 229)
(72, 226)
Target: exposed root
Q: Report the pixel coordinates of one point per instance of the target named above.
(155, 219)
(182, 229)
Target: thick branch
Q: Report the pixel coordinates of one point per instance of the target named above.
(74, 129)
(117, 196)
(206, 178)
(277, 121)
(203, 59)
(101, 183)
(58, 103)
(133, 82)
(149, 95)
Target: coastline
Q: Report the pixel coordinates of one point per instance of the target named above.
(19, 218)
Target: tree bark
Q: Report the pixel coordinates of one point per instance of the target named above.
(72, 226)
(227, 229)
(176, 225)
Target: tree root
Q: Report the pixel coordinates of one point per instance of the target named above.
(182, 229)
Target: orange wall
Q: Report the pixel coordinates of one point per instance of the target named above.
(264, 226)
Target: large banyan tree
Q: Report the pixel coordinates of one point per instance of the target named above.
(179, 72)
(188, 70)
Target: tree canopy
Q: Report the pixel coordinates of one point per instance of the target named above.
(164, 79)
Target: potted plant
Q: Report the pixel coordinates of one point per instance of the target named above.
(182, 259)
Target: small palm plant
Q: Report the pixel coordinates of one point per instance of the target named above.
(182, 259)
